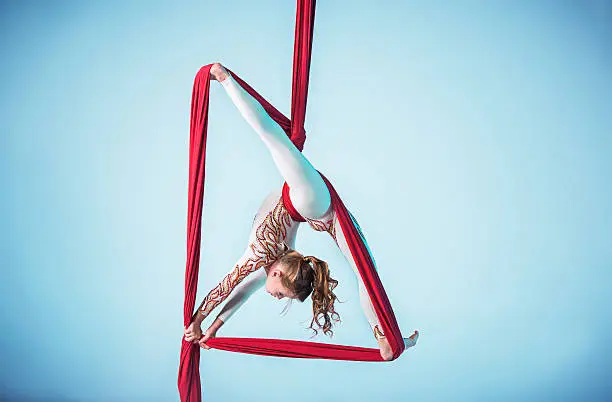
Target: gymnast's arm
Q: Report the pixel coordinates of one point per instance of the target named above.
(254, 258)
(238, 297)
(247, 265)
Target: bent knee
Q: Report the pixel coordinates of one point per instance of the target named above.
(311, 203)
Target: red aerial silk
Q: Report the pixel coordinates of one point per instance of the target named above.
(189, 377)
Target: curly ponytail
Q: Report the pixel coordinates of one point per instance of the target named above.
(323, 297)
(306, 275)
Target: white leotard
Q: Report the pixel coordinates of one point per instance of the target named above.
(272, 225)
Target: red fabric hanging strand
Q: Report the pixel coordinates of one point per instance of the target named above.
(302, 50)
(188, 376)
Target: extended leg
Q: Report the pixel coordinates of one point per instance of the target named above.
(366, 302)
(309, 194)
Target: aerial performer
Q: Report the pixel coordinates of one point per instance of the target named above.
(270, 259)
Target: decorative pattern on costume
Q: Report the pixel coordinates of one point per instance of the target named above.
(271, 234)
(324, 226)
(378, 333)
(269, 244)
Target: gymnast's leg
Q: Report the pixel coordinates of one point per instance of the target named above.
(308, 191)
(364, 297)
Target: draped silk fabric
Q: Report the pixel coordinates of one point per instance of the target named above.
(189, 376)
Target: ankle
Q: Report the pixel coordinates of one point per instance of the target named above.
(222, 76)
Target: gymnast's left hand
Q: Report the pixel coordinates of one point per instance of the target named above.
(193, 333)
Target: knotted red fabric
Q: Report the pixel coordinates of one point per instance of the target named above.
(189, 376)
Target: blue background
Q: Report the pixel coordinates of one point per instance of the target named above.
(472, 142)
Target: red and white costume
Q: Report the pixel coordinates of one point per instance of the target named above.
(274, 225)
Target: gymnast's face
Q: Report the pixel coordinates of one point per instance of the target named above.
(274, 284)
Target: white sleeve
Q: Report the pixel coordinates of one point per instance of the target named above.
(246, 266)
(241, 294)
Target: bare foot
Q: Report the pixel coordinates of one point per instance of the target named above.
(218, 72)
(411, 340)
(385, 349)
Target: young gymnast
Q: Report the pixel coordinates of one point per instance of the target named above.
(270, 259)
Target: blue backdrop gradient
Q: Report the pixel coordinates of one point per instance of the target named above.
(470, 139)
